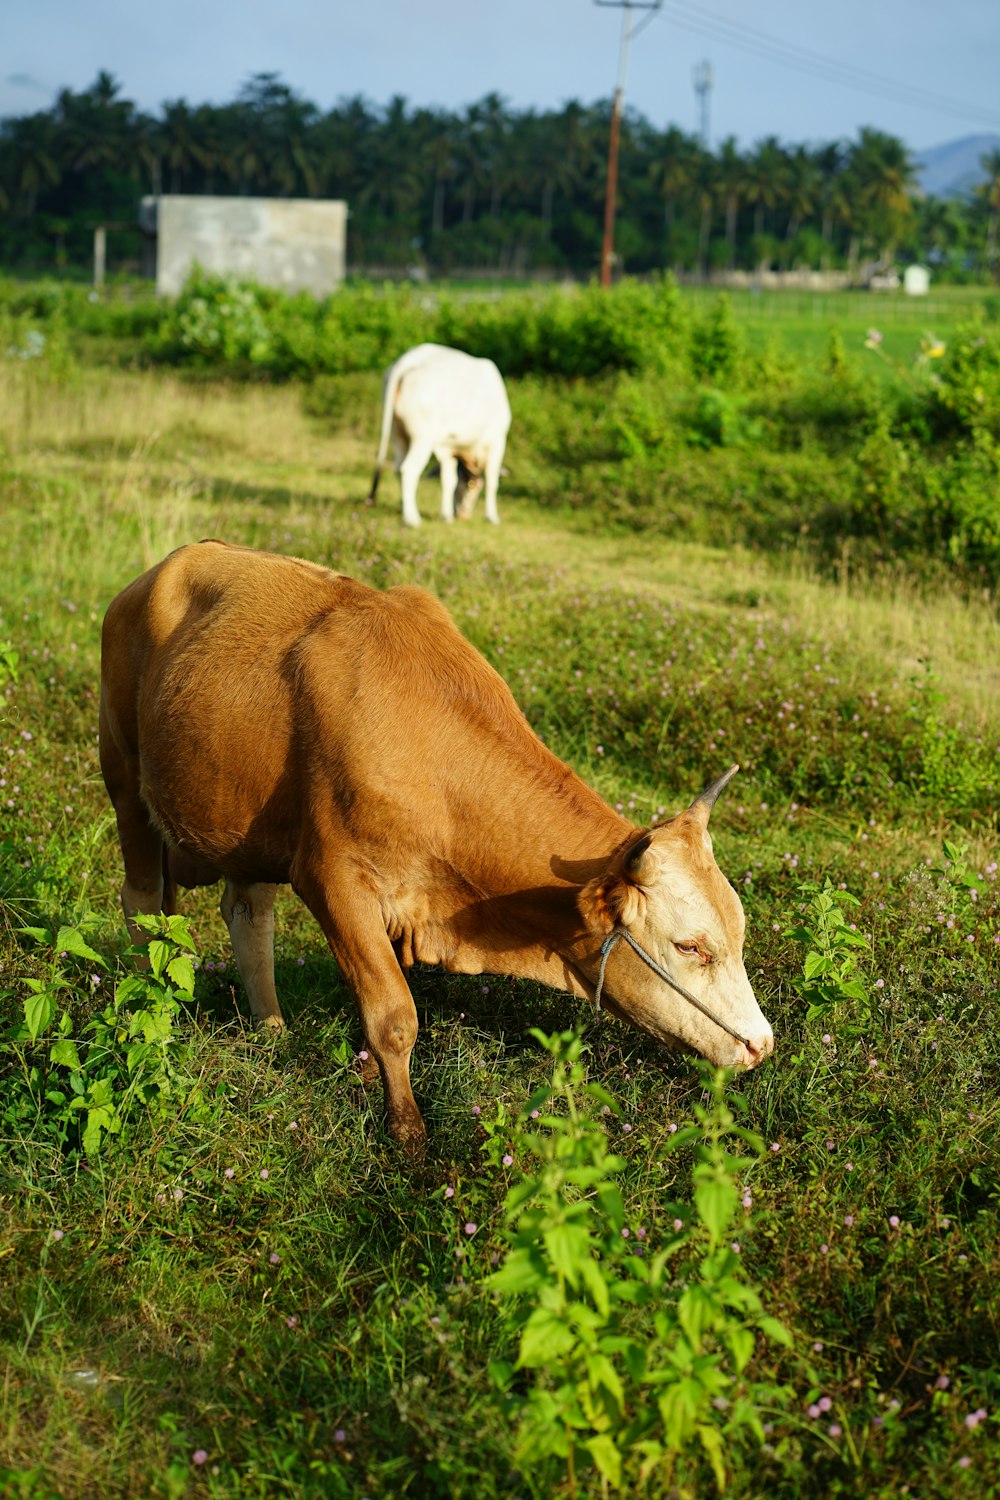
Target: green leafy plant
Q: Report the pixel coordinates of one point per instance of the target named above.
(9, 659)
(831, 975)
(81, 1081)
(717, 344)
(718, 420)
(964, 885)
(634, 1356)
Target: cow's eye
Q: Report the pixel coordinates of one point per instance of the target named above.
(691, 949)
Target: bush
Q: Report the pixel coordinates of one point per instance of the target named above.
(965, 394)
(230, 324)
(716, 345)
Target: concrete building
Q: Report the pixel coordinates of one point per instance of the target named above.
(296, 244)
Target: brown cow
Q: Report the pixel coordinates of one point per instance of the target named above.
(265, 720)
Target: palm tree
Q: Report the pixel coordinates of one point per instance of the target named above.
(829, 160)
(766, 174)
(991, 192)
(32, 149)
(96, 127)
(217, 130)
(884, 175)
(470, 163)
(400, 175)
(732, 183)
(490, 124)
(940, 227)
(803, 187)
(543, 162)
(343, 141)
(275, 151)
(673, 175)
(706, 185)
(181, 145)
(431, 130)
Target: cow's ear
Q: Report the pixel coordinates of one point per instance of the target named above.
(608, 902)
(641, 864)
(615, 898)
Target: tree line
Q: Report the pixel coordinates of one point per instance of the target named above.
(487, 187)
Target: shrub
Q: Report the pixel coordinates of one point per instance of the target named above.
(78, 1084)
(634, 1358)
(965, 394)
(716, 344)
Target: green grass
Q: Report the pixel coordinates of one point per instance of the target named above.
(356, 1361)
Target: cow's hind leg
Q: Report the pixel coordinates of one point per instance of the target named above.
(491, 478)
(410, 470)
(248, 912)
(142, 854)
(449, 481)
(353, 925)
(141, 843)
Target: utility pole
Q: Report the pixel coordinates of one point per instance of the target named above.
(611, 188)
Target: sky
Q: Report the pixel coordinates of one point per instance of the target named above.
(538, 54)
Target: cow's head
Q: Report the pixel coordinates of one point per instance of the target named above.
(664, 887)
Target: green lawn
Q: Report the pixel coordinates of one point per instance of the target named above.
(247, 1291)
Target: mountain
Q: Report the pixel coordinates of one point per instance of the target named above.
(953, 170)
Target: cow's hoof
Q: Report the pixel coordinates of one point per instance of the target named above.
(408, 1130)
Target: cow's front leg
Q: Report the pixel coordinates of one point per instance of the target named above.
(248, 912)
(449, 481)
(353, 925)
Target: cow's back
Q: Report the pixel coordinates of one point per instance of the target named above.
(198, 686)
(451, 396)
(260, 696)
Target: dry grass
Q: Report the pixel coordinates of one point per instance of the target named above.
(183, 458)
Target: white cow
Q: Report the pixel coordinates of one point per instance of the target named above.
(443, 403)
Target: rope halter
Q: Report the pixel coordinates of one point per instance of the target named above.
(620, 933)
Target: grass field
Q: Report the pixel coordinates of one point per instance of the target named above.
(246, 1290)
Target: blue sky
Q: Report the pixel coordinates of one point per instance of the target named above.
(534, 53)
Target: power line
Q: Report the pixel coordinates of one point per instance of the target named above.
(803, 59)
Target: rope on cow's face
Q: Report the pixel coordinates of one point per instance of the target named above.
(647, 958)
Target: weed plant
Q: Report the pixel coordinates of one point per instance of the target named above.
(243, 1290)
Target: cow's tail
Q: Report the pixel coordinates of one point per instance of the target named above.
(392, 380)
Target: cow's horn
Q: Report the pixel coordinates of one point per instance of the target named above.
(701, 807)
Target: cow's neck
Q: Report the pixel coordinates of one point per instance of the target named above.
(516, 911)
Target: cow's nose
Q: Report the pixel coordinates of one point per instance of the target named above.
(759, 1047)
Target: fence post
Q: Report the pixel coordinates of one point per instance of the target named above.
(100, 254)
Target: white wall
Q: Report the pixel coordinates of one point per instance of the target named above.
(297, 244)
